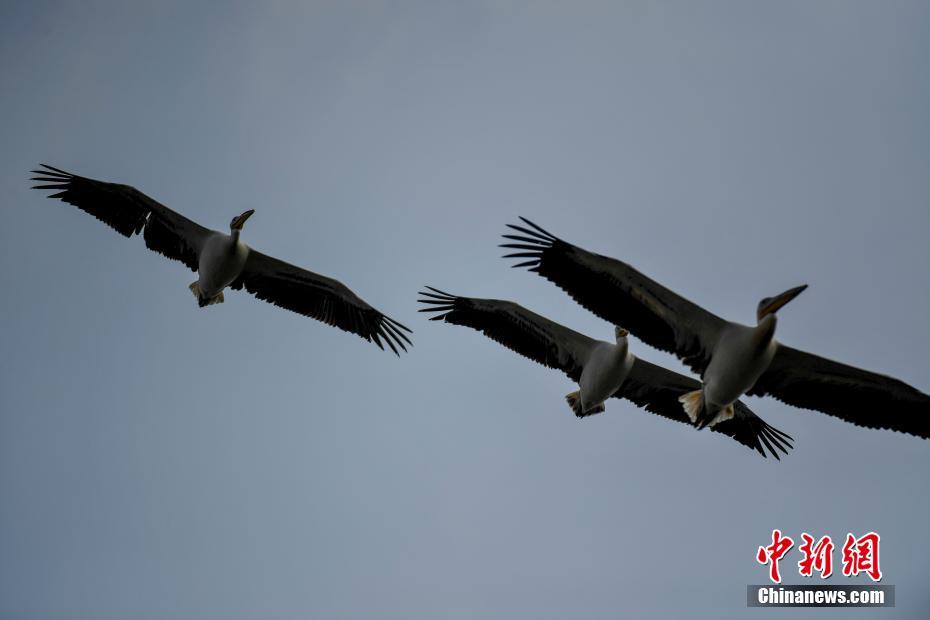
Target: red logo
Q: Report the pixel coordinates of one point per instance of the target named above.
(817, 557)
(773, 553)
(860, 555)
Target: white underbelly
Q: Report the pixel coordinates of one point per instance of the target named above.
(603, 374)
(221, 262)
(735, 367)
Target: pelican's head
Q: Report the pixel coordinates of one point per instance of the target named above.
(238, 221)
(770, 305)
(620, 334)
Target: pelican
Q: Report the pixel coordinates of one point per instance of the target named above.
(222, 260)
(732, 359)
(601, 369)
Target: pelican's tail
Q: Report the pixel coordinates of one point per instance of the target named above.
(700, 416)
(205, 301)
(574, 401)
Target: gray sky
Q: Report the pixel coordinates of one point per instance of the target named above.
(161, 461)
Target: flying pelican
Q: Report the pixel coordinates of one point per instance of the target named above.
(222, 260)
(601, 369)
(732, 359)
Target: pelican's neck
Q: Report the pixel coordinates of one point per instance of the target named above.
(234, 235)
(765, 329)
(622, 346)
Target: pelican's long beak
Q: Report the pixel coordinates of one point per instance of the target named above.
(239, 220)
(772, 304)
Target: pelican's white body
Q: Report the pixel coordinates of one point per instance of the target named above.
(740, 357)
(604, 372)
(221, 261)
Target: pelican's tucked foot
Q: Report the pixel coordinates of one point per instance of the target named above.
(723, 415)
(700, 416)
(693, 404)
(205, 301)
(574, 401)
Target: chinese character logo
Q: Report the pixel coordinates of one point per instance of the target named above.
(773, 553)
(860, 555)
(817, 557)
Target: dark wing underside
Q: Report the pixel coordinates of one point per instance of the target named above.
(515, 327)
(851, 394)
(616, 292)
(318, 297)
(657, 389)
(648, 386)
(129, 212)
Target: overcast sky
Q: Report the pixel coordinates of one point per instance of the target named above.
(162, 461)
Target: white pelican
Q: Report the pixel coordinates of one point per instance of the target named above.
(601, 369)
(732, 359)
(222, 260)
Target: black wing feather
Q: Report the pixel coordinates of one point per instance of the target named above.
(858, 396)
(657, 389)
(319, 297)
(616, 292)
(128, 211)
(520, 330)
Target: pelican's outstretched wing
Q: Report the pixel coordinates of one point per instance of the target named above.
(657, 389)
(648, 386)
(851, 394)
(318, 297)
(515, 327)
(128, 211)
(616, 292)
